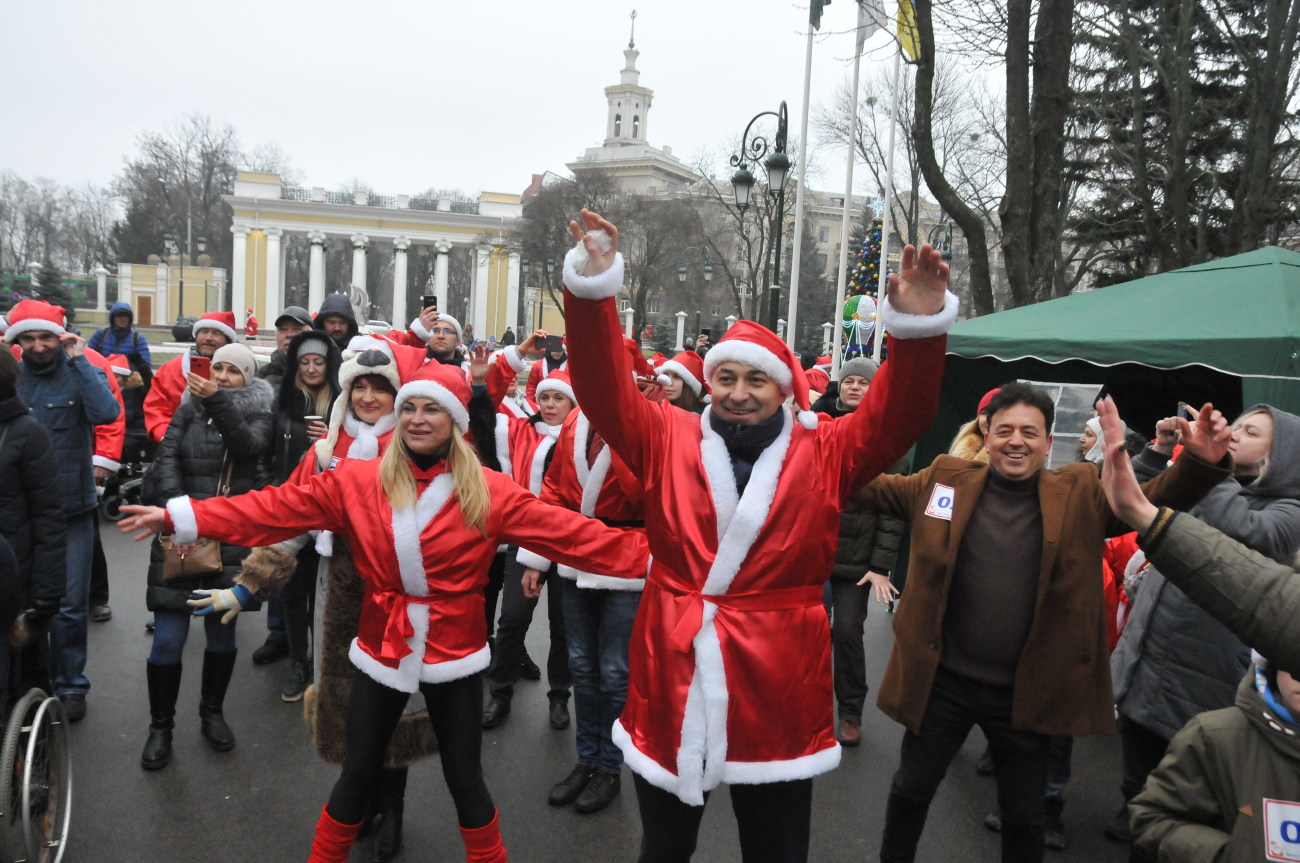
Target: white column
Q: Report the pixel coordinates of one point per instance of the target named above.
(162, 296)
(274, 298)
(359, 243)
(478, 304)
(400, 245)
(826, 337)
(731, 321)
(681, 331)
(316, 271)
(34, 272)
(239, 274)
(443, 249)
(627, 321)
(512, 294)
(780, 328)
(101, 289)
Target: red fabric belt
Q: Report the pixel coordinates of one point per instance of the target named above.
(398, 627)
(688, 606)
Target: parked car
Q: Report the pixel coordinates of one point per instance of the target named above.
(378, 328)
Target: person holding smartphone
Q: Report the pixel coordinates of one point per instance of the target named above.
(210, 332)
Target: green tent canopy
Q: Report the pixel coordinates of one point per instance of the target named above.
(1226, 331)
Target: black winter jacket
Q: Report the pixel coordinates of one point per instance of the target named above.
(229, 423)
(291, 407)
(31, 505)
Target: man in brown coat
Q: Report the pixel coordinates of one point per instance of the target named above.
(1003, 622)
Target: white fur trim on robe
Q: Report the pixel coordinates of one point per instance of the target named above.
(904, 326)
(600, 286)
(593, 480)
(106, 463)
(184, 523)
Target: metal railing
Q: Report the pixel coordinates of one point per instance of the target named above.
(390, 202)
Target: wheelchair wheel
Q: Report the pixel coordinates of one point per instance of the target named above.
(13, 842)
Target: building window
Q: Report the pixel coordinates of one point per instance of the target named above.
(821, 262)
(823, 234)
(654, 305)
(715, 308)
(618, 125)
(636, 127)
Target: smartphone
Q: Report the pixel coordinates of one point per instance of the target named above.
(202, 366)
(706, 332)
(429, 301)
(1183, 412)
(554, 344)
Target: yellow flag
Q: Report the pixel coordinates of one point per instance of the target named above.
(908, 37)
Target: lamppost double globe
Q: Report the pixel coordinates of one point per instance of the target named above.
(777, 164)
(173, 244)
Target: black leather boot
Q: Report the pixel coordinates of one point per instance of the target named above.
(164, 684)
(904, 822)
(217, 668)
(388, 821)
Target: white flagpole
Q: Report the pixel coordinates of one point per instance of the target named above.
(884, 218)
(792, 315)
(837, 323)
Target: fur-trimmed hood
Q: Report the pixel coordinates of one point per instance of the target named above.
(969, 443)
(255, 397)
(290, 398)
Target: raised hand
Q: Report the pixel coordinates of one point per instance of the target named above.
(1208, 436)
(529, 345)
(478, 363)
(918, 287)
(590, 233)
(73, 344)
(1117, 478)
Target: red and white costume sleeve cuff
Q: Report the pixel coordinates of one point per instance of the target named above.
(420, 330)
(905, 326)
(513, 357)
(185, 524)
(599, 286)
(106, 462)
(532, 560)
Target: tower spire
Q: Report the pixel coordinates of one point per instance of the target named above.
(631, 40)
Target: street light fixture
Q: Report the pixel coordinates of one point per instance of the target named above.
(940, 237)
(777, 164)
(173, 245)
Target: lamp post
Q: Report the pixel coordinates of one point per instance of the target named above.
(172, 242)
(706, 270)
(940, 237)
(777, 164)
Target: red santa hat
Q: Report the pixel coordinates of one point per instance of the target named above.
(34, 316)
(119, 364)
(639, 364)
(418, 327)
(657, 359)
(557, 381)
(690, 368)
(445, 385)
(222, 322)
(818, 380)
(752, 344)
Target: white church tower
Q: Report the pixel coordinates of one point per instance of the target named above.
(629, 102)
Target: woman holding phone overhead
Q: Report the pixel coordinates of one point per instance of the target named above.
(218, 442)
(437, 517)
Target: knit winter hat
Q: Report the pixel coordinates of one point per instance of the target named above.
(752, 344)
(239, 356)
(690, 368)
(32, 316)
(445, 385)
(557, 381)
(314, 345)
(222, 322)
(863, 367)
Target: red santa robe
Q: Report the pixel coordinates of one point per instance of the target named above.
(730, 677)
(109, 437)
(424, 571)
(165, 391)
(602, 487)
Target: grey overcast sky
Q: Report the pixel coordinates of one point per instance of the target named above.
(405, 95)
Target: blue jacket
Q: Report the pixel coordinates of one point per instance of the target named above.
(111, 340)
(70, 397)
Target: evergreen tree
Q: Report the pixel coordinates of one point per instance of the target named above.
(53, 291)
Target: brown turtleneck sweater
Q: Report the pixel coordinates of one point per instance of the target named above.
(995, 583)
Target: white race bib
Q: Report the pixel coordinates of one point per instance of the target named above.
(1281, 830)
(940, 505)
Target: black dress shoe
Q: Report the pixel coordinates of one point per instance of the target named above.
(74, 705)
(559, 715)
(496, 712)
(598, 794)
(528, 669)
(270, 651)
(565, 792)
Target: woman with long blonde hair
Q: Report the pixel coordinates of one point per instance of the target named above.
(434, 517)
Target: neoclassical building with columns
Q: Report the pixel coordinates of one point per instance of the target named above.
(267, 213)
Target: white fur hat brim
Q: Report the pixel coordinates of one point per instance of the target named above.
(209, 324)
(438, 393)
(682, 372)
(749, 354)
(550, 385)
(32, 325)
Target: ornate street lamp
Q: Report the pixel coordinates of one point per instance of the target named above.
(777, 164)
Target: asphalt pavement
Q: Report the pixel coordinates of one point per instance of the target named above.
(260, 801)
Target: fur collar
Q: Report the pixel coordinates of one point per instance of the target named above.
(253, 398)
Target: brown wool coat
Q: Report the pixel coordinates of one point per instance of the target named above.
(1062, 683)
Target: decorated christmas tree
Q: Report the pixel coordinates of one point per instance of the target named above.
(865, 277)
(858, 319)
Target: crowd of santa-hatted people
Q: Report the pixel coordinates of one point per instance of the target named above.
(708, 530)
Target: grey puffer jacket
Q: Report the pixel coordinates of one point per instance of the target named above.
(1173, 659)
(234, 424)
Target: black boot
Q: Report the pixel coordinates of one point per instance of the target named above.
(388, 821)
(217, 668)
(904, 822)
(164, 684)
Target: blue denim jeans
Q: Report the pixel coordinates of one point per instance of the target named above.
(68, 627)
(172, 629)
(598, 624)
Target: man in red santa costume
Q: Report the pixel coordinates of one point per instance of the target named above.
(211, 331)
(730, 653)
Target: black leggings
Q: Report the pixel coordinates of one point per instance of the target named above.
(456, 710)
(774, 821)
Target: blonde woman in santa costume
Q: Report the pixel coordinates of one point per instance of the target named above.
(435, 517)
(730, 653)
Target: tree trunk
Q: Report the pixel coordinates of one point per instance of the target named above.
(981, 287)
(1016, 202)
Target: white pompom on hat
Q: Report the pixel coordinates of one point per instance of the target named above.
(690, 368)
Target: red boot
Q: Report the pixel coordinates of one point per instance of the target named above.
(333, 842)
(483, 844)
